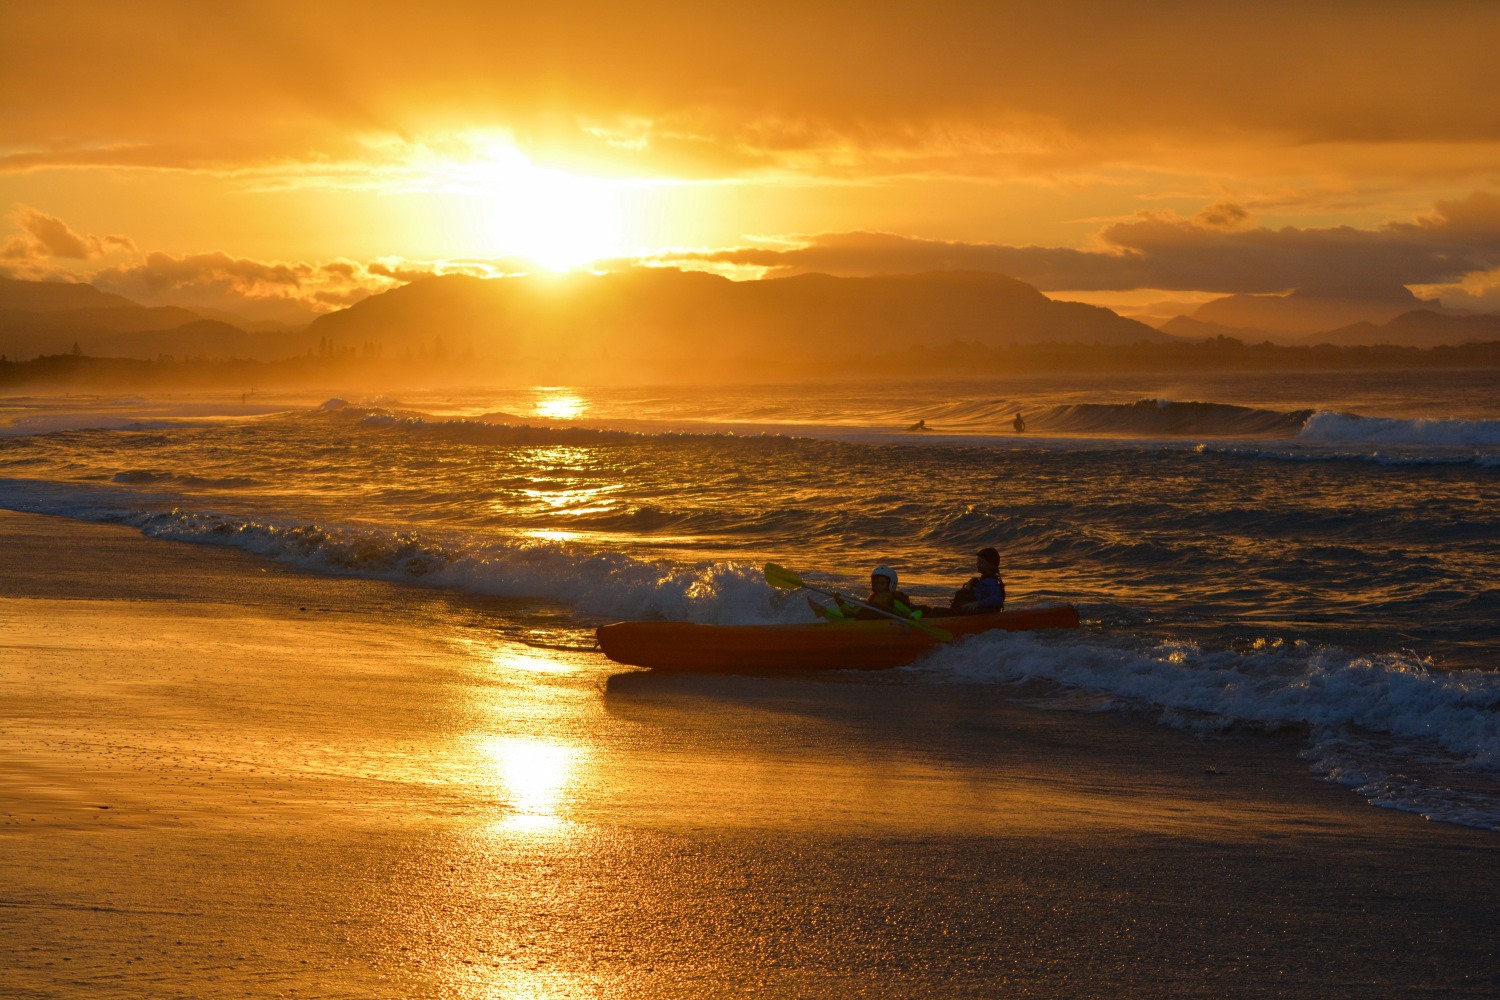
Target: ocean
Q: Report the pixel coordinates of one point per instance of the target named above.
(1310, 552)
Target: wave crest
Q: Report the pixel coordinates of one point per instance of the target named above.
(1162, 417)
(605, 584)
(1346, 428)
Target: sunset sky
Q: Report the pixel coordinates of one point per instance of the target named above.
(258, 155)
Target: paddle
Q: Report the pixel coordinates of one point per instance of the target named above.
(784, 579)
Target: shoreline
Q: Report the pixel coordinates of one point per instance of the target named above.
(1224, 356)
(222, 775)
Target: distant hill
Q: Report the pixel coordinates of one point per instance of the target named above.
(1418, 328)
(1196, 329)
(50, 317)
(251, 325)
(52, 296)
(97, 319)
(1308, 312)
(681, 319)
(195, 338)
(650, 321)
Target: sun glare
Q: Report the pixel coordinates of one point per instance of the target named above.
(564, 407)
(532, 777)
(557, 219)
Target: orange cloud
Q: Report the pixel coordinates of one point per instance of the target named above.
(45, 248)
(723, 90)
(44, 236)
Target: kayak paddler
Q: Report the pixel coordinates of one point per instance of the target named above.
(883, 594)
(985, 592)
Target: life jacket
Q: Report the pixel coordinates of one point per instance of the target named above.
(965, 594)
(898, 604)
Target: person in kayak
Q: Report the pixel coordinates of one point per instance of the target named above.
(985, 592)
(883, 594)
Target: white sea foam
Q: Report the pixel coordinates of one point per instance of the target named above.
(1392, 775)
(605, 584)
(601, 583)
(1344, 428)
(1390, 726)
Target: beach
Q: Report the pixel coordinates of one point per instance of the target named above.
(226, 777)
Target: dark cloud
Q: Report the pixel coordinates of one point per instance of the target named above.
(45, 248)
(490, 267)
(1213, 252)
(161, 272)
(830, 83)
(1225, 215)
(255, 289)
(342, 299)
(403, 274)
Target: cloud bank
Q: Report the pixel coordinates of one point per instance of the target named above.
(1451, 252)
(42, 247)
(1219, 250)
(40, 237)
(964, 87)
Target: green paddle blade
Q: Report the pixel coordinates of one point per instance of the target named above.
(782, 578)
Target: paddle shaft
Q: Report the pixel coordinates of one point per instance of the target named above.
(914, 623)
(784, 579)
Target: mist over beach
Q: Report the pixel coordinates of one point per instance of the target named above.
(362, 374)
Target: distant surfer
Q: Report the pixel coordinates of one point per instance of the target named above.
(1019, 423)
(920, 425)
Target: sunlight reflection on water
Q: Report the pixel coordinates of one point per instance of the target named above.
(560, 407)
(510, 659)
(516, 984)
(532, 778)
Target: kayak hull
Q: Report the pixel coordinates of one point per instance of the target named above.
(852, 645)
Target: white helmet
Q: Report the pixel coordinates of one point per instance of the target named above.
(886, 572)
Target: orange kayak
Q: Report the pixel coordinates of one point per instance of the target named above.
(852, 645)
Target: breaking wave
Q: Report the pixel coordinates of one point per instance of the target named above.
(607, 584)
(1406, 735)
(1345, 428)
(1161, 417)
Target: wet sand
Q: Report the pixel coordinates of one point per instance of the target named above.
(220, 777)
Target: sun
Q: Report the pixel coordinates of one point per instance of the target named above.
(557, 219)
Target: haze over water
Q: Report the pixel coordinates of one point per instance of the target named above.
(1278, 552)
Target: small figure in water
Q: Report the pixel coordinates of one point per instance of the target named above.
(920, 425)
(1019, 423)
(985, 592)
(883, 595)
